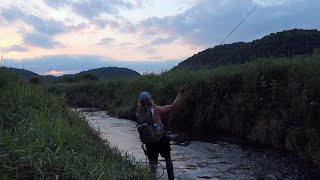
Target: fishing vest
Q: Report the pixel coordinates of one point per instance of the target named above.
(149, 131)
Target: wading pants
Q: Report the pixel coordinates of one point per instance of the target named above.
(163, 148)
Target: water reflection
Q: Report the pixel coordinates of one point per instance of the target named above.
(201, 160)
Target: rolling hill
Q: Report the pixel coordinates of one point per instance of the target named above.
(287, 44)
(100, 73)
(111, 72)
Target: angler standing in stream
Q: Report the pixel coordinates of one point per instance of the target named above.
(151, 130)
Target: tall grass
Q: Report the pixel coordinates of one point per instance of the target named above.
(270, 101)
(41, 138)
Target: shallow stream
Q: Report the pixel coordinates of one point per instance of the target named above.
(202, 160)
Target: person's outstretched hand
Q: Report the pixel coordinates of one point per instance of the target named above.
(183, 88)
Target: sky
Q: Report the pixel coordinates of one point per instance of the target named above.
(68, 36)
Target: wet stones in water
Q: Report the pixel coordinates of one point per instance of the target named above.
(86, 109)
(179, 139)
(267, 177)
(205, 177)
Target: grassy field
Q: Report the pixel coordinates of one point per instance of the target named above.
(41, 138)
(270, 101)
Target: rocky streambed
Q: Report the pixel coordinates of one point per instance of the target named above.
(203, 160)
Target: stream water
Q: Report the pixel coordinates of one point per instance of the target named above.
(202, 160)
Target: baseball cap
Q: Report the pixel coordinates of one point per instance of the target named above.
(144, 96)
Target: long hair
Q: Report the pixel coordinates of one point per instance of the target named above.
(146, 103)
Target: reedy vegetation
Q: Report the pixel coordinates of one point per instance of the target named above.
(41, 138)
(271, 101)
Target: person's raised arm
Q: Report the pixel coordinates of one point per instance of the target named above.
(176, 102)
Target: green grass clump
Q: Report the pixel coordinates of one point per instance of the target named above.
(41, 138)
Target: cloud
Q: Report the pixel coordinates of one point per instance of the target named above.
(126, 44)
(77, 63)
(91, 9)
(56, 3)
(161, 41)
(16, 48)
(94, 8)
(147, 49)
(106, 41)
(12, 14)
(191, 26)
(44, 29)
(203, 24)
(271, 2)
(49, 26)
(138, 3)
(209, 22)
(41, 40)
(103, 22)
(119, 23)
(102, 13)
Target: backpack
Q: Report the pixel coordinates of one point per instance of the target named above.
(149, 131)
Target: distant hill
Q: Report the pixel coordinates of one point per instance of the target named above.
(286, 44)
(100, 73)
(111, 73)
(27, 75)
(22, 73)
